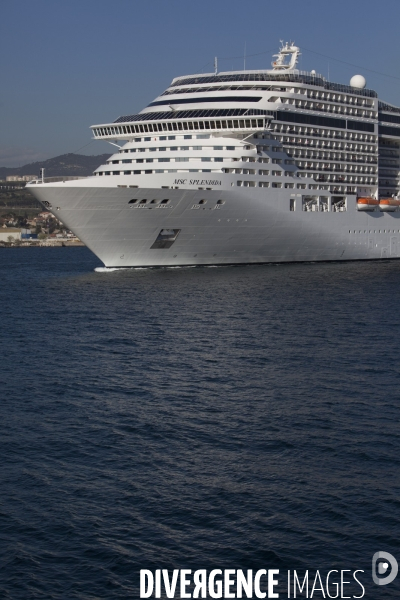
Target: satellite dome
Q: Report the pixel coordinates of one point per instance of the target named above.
(358, 81)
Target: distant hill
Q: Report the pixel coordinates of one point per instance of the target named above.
(66, 164)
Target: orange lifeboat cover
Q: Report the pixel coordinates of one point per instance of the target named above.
(389, 202)
(369, 201)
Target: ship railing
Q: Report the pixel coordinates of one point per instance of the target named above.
(56, 179)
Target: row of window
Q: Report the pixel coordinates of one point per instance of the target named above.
(178, 159)
(351, 164)
(219, 88)
(331, 108)
(277, 184)
(352, 100)
(199, 100)
(389, 155)
(389, 118)
(321, 132)
(276, 173)
(196, 113)
(390, 164)
(394, 131)
(260, 172)
(175, 148)
(336, 167)
(393, 173)
(339, 178)
(166, 201)
(387, 107)
(199, 136)
(273, 184)
(375, 231)
(308, 153)
(388, 148)
(150, 171)
(324, 121)
(324, 146)
(117, 130)
(251, 159)
(144, 201)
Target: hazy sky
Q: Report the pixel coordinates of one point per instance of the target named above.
(69, 64)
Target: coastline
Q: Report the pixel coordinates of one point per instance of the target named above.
(43, 244)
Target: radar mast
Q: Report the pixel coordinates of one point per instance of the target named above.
(287, 58)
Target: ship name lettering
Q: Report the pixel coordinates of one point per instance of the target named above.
(204, 182)
(198, 182)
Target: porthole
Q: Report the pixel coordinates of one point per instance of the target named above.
(164, 201)
(132, 201)
(202, 201)
(154, 202)
(143, 202)
(221, 202)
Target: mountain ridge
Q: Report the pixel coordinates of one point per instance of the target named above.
(66, 164)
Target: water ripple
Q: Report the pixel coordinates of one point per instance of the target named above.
(241, 417)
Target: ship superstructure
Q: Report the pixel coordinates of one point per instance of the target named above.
(242, 167)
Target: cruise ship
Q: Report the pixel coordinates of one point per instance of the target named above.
(252, 166)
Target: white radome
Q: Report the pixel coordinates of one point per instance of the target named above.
(358, 81)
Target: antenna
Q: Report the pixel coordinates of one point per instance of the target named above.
(215, 65)
(244, 61)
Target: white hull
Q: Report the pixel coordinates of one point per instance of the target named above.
(252, 226)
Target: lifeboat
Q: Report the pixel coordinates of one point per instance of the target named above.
(367, 203)
(388, 204)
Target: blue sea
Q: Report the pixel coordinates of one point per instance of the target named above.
(195, 418)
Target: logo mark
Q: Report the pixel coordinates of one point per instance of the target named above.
(380, 566)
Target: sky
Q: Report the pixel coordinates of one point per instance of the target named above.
(69, 64)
